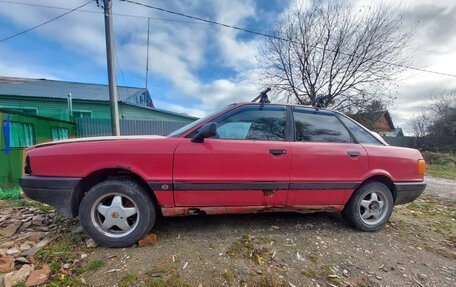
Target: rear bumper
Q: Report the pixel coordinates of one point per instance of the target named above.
(56, 191)
(408, 191)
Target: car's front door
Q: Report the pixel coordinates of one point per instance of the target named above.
(327, 164)
(246, 164)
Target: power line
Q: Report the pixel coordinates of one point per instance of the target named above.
(44, 23)
(278, 38)
(118, 65)
(98, 12)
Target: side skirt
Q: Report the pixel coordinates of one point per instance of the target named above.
(184, 211)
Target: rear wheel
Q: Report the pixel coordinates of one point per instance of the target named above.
(370, 207)
(117, 213)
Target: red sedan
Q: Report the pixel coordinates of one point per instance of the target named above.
(248, 157)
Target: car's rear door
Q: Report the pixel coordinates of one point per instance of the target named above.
(327, 165)
(247, 164)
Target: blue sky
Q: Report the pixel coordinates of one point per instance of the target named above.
(195, 68)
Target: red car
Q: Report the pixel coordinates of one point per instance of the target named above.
(248, 157)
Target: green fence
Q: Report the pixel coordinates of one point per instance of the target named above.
(24, 131)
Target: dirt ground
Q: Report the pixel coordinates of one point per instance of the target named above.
(417, 248)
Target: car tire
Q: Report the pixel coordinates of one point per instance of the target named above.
(117, 212)
(369, 207)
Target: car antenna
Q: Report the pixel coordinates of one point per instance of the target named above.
(263, 97)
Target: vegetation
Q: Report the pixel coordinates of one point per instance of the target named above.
(94, 265)
(248, 247)
(435, 127)
(332, 51)
(441, 164)
(10, 193)
(128, 280)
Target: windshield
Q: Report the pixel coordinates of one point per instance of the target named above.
(191, 125)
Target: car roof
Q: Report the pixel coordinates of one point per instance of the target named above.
(283, 104)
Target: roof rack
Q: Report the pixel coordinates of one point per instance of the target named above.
(263, 97)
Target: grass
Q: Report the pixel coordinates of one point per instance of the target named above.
(128, 280)
(10, 193)
(172, 281)
(441, 165)
(65, 249)
(447, 171)
(248, 247)
(94, 265)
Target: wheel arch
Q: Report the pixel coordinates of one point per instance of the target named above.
(386, 180)
(104, 174)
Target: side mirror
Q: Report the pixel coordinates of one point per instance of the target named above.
(206, 131)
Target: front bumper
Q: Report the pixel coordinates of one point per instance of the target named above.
(56, 191)
(408, 191)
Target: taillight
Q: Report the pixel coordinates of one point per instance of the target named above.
(421, 167)
(27, 167)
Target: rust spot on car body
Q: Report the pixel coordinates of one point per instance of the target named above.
(184, 211)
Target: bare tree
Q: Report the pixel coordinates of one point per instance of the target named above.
(332, 51)
(420, 124)
(435, 127)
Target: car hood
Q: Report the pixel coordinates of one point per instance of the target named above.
(91, 139)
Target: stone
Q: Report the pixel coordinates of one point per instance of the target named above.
(12, 251)
(66, 266)
(6, 263)
(32, 251)
(84, 256)
(42, 228)
(149, 239)
(32, 260)
(21, 260)
(90, 243)
(37, 220)
(36, 237)
(25, 225)
(17, 277)
(9, 230)
(8, 244)
(24, 247)
(77, 229)
(38, 277)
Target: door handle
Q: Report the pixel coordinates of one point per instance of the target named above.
(277, 151)
(353, 153)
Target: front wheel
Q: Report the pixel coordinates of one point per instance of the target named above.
(117, 213)
(370, 207)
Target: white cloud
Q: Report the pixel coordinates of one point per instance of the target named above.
(179, 52)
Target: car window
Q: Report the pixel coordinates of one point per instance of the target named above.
(319, 126)
(360, 133)
(191, 125)
(254, 123)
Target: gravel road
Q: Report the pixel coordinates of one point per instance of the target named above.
(440, 187)
(417, 248)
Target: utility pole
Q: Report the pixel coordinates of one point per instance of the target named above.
(107, 5)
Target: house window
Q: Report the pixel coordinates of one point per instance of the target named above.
(82, 115)
(21, 135)
(59, 133)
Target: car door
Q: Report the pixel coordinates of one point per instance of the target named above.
(246, 164)
(327, 164)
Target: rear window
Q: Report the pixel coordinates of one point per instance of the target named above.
(360, 133)
(319, 126)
